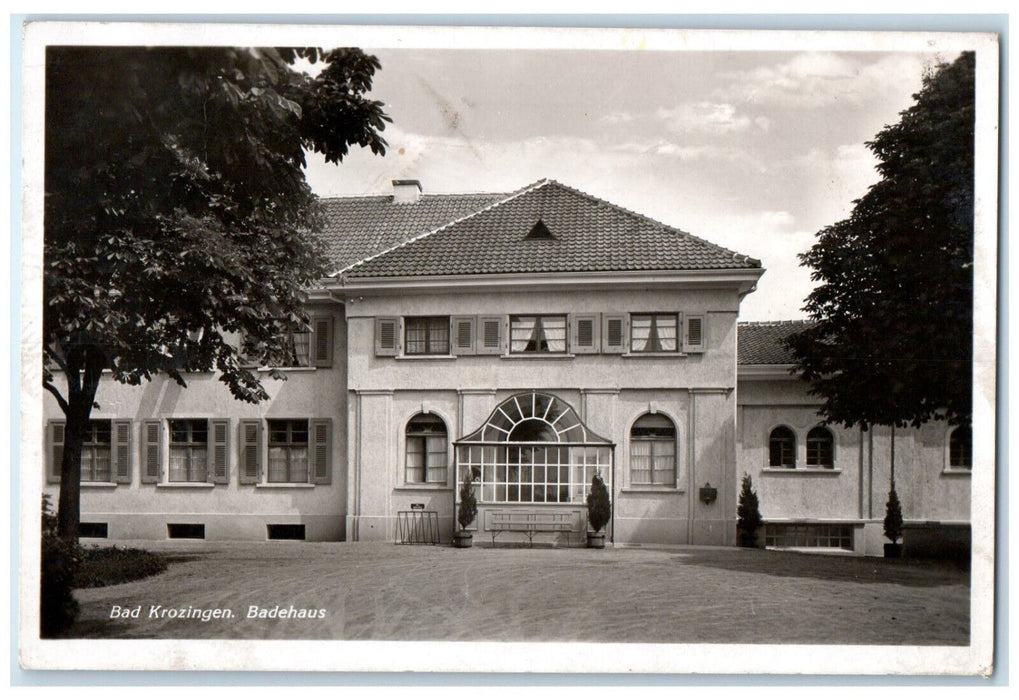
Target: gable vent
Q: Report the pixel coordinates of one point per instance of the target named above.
(540, 232)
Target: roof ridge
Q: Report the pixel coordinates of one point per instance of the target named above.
(660, 224)
(530, 188)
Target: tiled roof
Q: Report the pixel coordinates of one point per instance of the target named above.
(587, 235)
(359, 227)
(764, 343)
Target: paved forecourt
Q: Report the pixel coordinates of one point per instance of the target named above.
(377, 591)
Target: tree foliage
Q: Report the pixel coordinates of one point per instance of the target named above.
(599, 509)
(467, 509)
(177, 212)
(892, 338)
(748, 514)
(893, 515)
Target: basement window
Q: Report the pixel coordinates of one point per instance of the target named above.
(94, 530)
(285, 532)
(185, 531)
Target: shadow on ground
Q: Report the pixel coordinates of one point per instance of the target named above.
(917, 573)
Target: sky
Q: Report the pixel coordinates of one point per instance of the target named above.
(755, 151)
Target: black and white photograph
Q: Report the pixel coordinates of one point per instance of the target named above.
(503, 349)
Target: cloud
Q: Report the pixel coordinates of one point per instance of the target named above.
(820, 79)
(704, 117)
(617, 118)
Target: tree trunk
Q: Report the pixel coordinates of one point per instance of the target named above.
(81, 393)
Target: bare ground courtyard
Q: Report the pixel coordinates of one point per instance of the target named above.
(683, 595)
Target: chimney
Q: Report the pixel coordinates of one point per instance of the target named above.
(406, 191)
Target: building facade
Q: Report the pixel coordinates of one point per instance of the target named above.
(531, 340)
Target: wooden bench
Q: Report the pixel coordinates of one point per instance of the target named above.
(530, 522)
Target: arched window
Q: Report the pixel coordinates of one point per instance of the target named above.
(653, 451)
(426, 450)
(820, 448)
(782, 448)
(534, 449)
(960, 448)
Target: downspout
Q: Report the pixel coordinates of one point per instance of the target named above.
(690, 466)
(870, 472)
(860, 473)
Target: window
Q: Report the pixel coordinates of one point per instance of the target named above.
(782, 448)
(653, 451)
(426, 335)
(288, 451)
(960, 448)
(534, 449)
(537, 334)
(302, 348)
(653, 332)
(820, 448)
(426, 450)
(95, 452)
(189, 450)
(299, 349)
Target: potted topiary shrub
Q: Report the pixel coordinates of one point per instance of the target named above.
(893, 524)
(599, 510)
(466, 511)
(748, 514)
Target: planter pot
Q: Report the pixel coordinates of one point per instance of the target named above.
(463, 540)
(596, 540)
(893, 550)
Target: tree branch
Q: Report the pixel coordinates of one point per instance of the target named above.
(50, 387)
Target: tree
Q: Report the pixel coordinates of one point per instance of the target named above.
(177, 213)
(891, 342)
(893, 515)
(599, 509)
(748, 514)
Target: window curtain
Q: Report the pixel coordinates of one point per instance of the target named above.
(523, 329)
(555, 333)
(640, 328)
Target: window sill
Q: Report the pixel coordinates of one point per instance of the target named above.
(537, 356)
(284, 485)
(426, 357)
(648, 488)
(284, 369)
(422, 487)
(802, 471)
(99, 485)
(185, 485)
(956, 472)
(654, 354)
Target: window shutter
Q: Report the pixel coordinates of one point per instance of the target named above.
(491, 330)
(152, 451)
(219, 449)
(463, 335)
(585, 334)
(54, 450)
(322, 450)
(250, 470)
(694, 340)
(614, 335)
(122, 451)
(322, 341)
(386, 336)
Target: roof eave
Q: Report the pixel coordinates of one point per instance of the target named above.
(740, 279)
(766, 372)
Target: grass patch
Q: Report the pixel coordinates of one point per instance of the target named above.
(108, 566)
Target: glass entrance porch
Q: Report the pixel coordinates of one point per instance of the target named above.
(534, 449)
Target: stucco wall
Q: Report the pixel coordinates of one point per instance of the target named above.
(857, 488)
(609, 392)
(229, 511)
